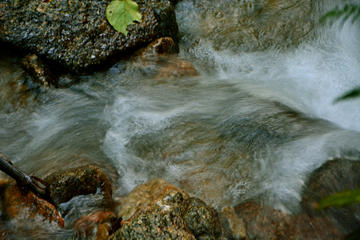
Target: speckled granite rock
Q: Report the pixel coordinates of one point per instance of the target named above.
(76, 34)
(77, 181)
(202, 220)
(163, 211)
(334, 176)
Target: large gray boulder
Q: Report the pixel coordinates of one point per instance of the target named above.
(75, 34)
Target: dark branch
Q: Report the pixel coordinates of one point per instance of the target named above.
(31, 182)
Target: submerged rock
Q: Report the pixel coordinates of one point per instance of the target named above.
(76, 34)
(77, 181)
(25, 205)
(263, 222)
(163, 211)
(334, 176)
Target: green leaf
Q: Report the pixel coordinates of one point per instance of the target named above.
(122, 13)
(341, 199)
(355, 93)
(349, 10)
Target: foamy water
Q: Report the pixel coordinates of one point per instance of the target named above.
(254, 125)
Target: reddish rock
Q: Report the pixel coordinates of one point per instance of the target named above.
(97, 224)
(263, 222)
(176, 68)
(26, 205)
(77, 181)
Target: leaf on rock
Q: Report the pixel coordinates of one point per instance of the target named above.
(122, 13)
(341, 199)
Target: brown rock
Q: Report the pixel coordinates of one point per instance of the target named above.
(24, 205)
(263, 222)
(176, 68)
(334, 176)
(160, 210)
(96, 224)
(161, 46)
(160, 56)
(38, 70)
(234, 227)
(159, 214)
(77, 181)
(144, 195)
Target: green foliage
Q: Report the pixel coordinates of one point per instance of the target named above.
(354, 93)
(340, 199)
(121, 13)
(345, 13)
(349, 10)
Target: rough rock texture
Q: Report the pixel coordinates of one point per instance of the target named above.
(233, 226)
(144, 195)
(76, 33)
(77, 181)
(201, 220)
(25, 205)
(263, 222)
(38, 70)
(334, 176)
(164, 211)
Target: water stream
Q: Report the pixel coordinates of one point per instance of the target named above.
(254, 124)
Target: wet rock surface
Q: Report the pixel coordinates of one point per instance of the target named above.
(263, 222)
(334, 176)
(39, 71)
(163, 211)
(233, 226)
(24, 205)
(248, 25)
(97, 225)
(77, 181)
(202, 220)
(76, 34)
(160, 61)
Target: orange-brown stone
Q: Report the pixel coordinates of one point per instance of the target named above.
(85, 225)
(25, 204)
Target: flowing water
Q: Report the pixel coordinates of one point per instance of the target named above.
(254, 124)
